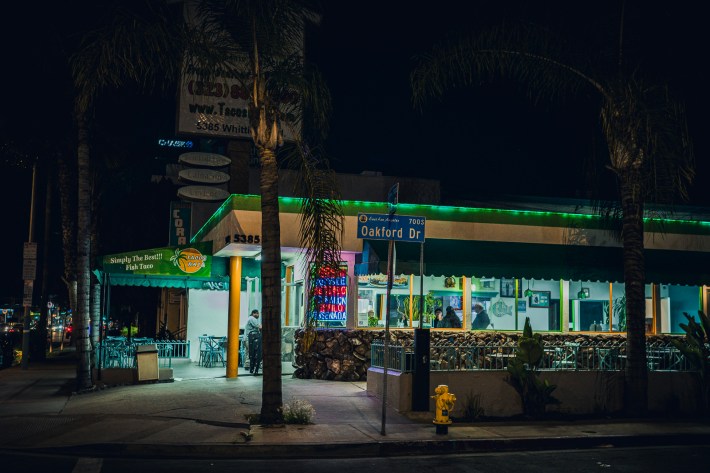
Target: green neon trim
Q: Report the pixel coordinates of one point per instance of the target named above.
(562, 301)
(456, 214)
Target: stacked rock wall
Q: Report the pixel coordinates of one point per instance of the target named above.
(344, 355)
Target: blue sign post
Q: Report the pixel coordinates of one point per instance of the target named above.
(391, 227)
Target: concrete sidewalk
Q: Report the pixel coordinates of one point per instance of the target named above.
(202, 414)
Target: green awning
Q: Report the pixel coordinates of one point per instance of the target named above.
(185, 282)
(534, 261)
(218, 280)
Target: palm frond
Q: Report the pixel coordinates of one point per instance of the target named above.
(321, 212)
(275, 25)
(142, 46)
(538, 60)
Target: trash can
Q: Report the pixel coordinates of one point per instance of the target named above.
(147, 362)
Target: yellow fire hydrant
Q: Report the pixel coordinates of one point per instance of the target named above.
(444, 404)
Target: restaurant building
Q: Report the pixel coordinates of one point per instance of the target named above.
(552, 262)
(561, 269)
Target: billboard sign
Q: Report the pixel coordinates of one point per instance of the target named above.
(218, 106)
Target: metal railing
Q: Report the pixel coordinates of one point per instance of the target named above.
(399, 358)
(558, 356)
(118, 352)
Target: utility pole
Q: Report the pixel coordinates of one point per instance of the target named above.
(29, 272)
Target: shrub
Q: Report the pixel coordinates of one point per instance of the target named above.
(696, 349)
(298, 412)
(472, 409)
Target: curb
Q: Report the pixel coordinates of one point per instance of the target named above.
(371, 449)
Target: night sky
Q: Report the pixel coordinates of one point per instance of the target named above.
(491, 140)
(484, 142)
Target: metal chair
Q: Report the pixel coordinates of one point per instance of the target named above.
(607, 358)
(566, 356)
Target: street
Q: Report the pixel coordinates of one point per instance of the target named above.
(642, 460)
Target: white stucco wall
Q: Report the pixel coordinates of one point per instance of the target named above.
(207, 315)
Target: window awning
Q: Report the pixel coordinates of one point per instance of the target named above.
(534, 261)
(184, 282)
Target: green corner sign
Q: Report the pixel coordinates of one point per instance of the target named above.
(187, 260)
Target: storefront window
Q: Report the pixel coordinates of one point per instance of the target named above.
(674, 301)
(372, 303)
(589, 306)
(439, 292)
(508, 301)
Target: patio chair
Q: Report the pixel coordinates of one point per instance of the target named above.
(566, 356)
(608, 358)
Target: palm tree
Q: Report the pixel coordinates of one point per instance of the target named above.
(137, 45)
(261, 40)
(644, 129)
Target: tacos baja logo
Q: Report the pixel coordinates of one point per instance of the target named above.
(189, 260)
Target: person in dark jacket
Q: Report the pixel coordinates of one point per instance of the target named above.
(482, 320)
(450, 320)
(438, 315)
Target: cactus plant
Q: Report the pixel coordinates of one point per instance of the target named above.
(523, 374)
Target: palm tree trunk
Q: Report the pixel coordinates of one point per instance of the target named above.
(95, 319)
(271, 400)
(67, 202)
(636, 379)
(81, 316)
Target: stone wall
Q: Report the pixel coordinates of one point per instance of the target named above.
(581, 393)
(344, 355)
(339, 355)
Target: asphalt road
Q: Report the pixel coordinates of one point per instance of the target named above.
(609, 459)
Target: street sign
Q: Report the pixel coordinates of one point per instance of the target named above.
(29, 250)
(27, 294)
(29, 269)
(391, 227)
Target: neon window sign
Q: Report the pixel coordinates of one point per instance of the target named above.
(330, 294)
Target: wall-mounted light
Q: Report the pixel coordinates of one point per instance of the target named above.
(528, 292)
(583, 292)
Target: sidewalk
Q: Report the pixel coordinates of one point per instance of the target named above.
(202, 414)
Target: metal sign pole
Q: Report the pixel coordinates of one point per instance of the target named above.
(421, 285)
(385, 363)
(420, 380)
(29, 282)
(392, 201)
